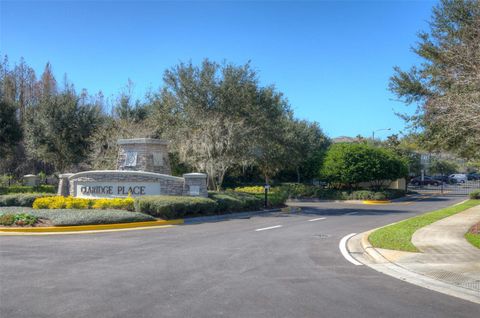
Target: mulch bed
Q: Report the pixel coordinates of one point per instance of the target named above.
(475, 229)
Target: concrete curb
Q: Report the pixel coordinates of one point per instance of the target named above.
(96, 227)
(383, 265)
(376, 201)
(342, 201)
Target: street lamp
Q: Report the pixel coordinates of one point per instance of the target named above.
(373, 132)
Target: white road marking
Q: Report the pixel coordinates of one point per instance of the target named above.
(317, 219)
(352, 213)
(268, 228)
(343, 248)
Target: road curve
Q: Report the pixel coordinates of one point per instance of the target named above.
(276, 265)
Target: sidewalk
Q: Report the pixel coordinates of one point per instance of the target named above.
(447, 262)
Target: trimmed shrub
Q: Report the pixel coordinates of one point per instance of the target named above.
(81, 217)
(117, 203)
(7, 219)
(252, 189)
(226, 202)
(28, 189)
(20, 199)
(475, 195)
(231, 201)
(173, 207)
(308, 191)
(59, 202)
(276, 195)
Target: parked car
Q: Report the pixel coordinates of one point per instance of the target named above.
(459, 177)
(445, 179)
(417, 181)
(473, 176)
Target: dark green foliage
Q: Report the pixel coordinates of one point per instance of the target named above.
(28, 189)
(23, 219)
(173, 207)
(231, 201)
(226, 202)
(475, 195)
(445, 85)
(348, 164)
(296, 191)
(20, 199)
(7, 219)
(10, 130)
(59, 128)
(443, 167)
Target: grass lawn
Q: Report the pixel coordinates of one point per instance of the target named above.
(398, 236)
(473, 236)
(62, 217)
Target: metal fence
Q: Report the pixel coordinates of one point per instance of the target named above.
(448, 189)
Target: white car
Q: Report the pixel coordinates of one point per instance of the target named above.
(459, 177)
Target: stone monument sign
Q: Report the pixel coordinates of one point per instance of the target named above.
(143, 168)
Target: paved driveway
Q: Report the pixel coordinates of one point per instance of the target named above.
(273, 265)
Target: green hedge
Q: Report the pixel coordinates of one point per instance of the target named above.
(20, 199)
(309, 191)
(231, 201)
(173, 207)
(28, 189)
(475, 195)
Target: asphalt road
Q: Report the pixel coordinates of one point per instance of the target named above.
(222, 269)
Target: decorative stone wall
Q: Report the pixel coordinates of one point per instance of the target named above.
(143, 154)
(166, 185)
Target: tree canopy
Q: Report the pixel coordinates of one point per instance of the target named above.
(446, 86)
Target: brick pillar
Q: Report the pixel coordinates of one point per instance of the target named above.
(195, 185)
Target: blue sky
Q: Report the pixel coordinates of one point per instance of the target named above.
(332, 60)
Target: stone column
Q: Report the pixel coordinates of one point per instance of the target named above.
(195, 185)
(64, 184)
(31, 180)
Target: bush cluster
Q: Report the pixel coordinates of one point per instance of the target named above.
(20, 199)
(28, 189)
(310, 191)
(276, 195)
(231, 201)
(253, 189)
(348, 164)
(20, 219)
(79, 217)
(59, 202)
(172, 207)
(475, 195)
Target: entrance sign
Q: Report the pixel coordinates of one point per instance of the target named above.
(86, 189)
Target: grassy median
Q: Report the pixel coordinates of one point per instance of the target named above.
(398, 236)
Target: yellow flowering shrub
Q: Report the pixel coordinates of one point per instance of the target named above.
(118, 203)
(59, 202)
(253, 189)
